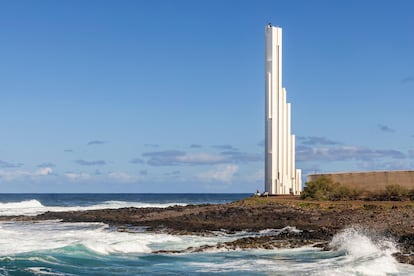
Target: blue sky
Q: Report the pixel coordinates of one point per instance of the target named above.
(168, 96)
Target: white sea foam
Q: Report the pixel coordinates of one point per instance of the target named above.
(275, 232)
(43, 271)
(19, 237)
(357, 253)
(265, 232)
(22, 207)
(237, 265)
(23, 237)
(268, 262)
(34, 207)
(365, 254)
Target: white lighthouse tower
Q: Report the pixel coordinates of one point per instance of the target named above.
(281, 176)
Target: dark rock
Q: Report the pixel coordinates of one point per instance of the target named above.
(404, 258)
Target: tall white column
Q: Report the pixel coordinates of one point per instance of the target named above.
(280, 172)
(288, 148)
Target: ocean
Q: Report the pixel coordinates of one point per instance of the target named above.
(56, 248)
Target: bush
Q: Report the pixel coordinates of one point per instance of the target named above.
(313, 189)
(321, 189)
(393, 192)
(324, 188)
(396, 192)
(410, 194)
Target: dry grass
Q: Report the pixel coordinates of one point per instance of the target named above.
(296, 201)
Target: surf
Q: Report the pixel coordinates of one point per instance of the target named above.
(34, 207)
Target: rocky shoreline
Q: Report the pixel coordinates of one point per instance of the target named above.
(318, 221)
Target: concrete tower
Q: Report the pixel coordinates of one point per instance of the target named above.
(281, 177)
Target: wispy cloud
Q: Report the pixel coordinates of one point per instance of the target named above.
(8, 175)
(408, 79)
(45, 165)
(306, 153)
(222, 173)
(123, 177)
(4, 164)
(385, 128)
(137, 161)
(261, 143)
(241, 157)
(44, 171)
(68, 150)
(77, 176)
(385, 165)
(224, 147)
(195, 146)
(174, 157)
(200, 158)
(143, 172)
(111, 177)
(313, 169)
(96, 142)
(316, 140)
(174, 173)
(90, 163)
(163, 158)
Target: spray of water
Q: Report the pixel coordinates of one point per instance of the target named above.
(364, 253)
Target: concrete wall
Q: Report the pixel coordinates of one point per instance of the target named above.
(370, 181)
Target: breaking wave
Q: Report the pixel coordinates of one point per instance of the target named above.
(50, 248)
(96, 237)
(26, 204)
(34, 207)
(363, 253)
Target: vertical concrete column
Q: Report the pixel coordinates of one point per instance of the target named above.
(280, 173)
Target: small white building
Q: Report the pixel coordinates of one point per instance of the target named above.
(281, 176)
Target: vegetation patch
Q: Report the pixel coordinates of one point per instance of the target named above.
(256, 201)
(324, 188)
(309, 205)
(371, 207)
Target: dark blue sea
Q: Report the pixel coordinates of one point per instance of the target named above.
(57, 248)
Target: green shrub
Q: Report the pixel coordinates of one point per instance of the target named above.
(393, 192)
(396, 191)
(322, 189)
(309, 205)
(410, 194)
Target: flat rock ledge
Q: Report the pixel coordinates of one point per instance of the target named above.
(248, 243)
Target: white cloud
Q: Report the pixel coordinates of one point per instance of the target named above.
(200, 158)
(174, 158)
(77, 176)
(44, 171)
(102, 177)
(12, 175)
(341, 153)
(8, 175)
(222, 173)
(123, 177)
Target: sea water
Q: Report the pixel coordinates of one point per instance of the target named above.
(56, 248)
